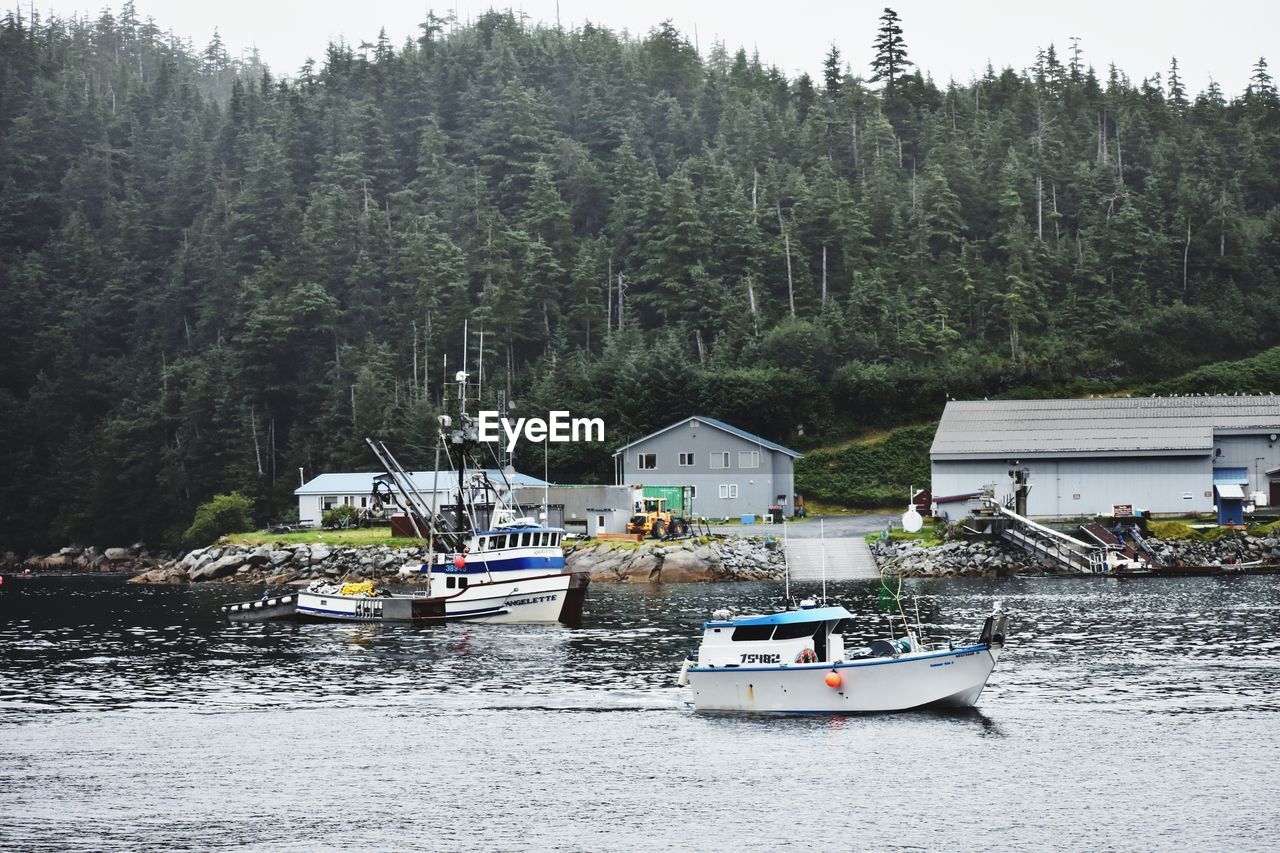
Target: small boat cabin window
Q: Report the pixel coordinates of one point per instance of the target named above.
(485, 542)
(796, 630)
(462, 583)
(450, 582)
(524, 540)
(752, 632)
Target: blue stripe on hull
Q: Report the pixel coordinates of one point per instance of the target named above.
(478, 566)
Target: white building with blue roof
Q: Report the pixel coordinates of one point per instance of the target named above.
(328, 491)
(730, 471)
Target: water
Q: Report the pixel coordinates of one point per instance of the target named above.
(1123, 715)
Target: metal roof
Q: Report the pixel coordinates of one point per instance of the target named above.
(1225, 476)
(1230, 491)
(733, 430)
(1141, 425)
(810, 614)
(361, 483)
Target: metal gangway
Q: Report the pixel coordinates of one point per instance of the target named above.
(1046, 543)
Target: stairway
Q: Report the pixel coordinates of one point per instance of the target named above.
(846, 559)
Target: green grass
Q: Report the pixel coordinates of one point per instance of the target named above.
(815, 508)
(350, 538)
(926, 537)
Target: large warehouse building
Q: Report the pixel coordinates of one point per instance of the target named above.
(1085, 457)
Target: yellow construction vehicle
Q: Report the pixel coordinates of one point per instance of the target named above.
(652, 518)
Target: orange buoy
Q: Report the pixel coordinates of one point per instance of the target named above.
(834, 679)
(460, 561)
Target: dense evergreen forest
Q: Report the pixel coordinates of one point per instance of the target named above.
(212, 276)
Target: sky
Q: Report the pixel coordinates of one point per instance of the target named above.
(945, 38)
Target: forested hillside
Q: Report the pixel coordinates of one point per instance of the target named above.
(211, 276)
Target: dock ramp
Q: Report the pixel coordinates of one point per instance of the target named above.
(846, 558)
(1064, 551)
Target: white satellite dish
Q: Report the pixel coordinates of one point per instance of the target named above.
(912, 521)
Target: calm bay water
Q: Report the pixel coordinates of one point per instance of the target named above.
(1124, 715)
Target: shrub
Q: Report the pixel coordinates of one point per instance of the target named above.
(219, 516)
(339, 516)
(1172, 530)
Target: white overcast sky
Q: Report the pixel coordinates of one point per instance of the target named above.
(946, 38)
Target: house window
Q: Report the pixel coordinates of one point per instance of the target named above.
(748, 458)
(720, 459)
(600, 521)
(728, 490)
(646, 461)
(693, 493)
(686, 460)
(329, 502)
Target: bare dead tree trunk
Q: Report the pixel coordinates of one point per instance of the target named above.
(426, 357)
(1186, 255)
(786, 240)
(621, 301)
(1119, 155)
(702, 353)
(415, 356)
(824, 276)
(853, 138)
(1040, 208)
(751, 299)
(608, 286)
(257, 450)
(1057, 230)
(755, 186)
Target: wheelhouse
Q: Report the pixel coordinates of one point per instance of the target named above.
(790, 638)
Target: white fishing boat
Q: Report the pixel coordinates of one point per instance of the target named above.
(796, 662)
(486, 560)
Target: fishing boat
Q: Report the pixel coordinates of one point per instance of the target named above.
(487, 561)
(796, 662)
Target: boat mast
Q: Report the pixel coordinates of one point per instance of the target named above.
(822, 546)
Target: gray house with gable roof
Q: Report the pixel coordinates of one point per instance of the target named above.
(731, 471)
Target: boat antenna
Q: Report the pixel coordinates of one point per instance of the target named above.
(822, 545)
(435, 496)
(786, 564)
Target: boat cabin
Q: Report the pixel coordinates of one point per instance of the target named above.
(809, 635)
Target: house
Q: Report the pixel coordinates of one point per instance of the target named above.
(327, 491)
(730, 472)
(597, 509)
(1178, 455)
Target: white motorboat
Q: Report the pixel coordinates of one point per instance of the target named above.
(795, 662)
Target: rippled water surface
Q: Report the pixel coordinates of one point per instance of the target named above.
(1124, 715)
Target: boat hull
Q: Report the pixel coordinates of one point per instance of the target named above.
(941, 679)
(539, 599)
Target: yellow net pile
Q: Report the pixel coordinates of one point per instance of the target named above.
(362, 588)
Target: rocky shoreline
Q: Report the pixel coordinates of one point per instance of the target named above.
(733, 558)
(954, 559)
(989, 558)
(76, 559)
(694, 560)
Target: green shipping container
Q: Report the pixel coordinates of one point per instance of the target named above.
(674, 496)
